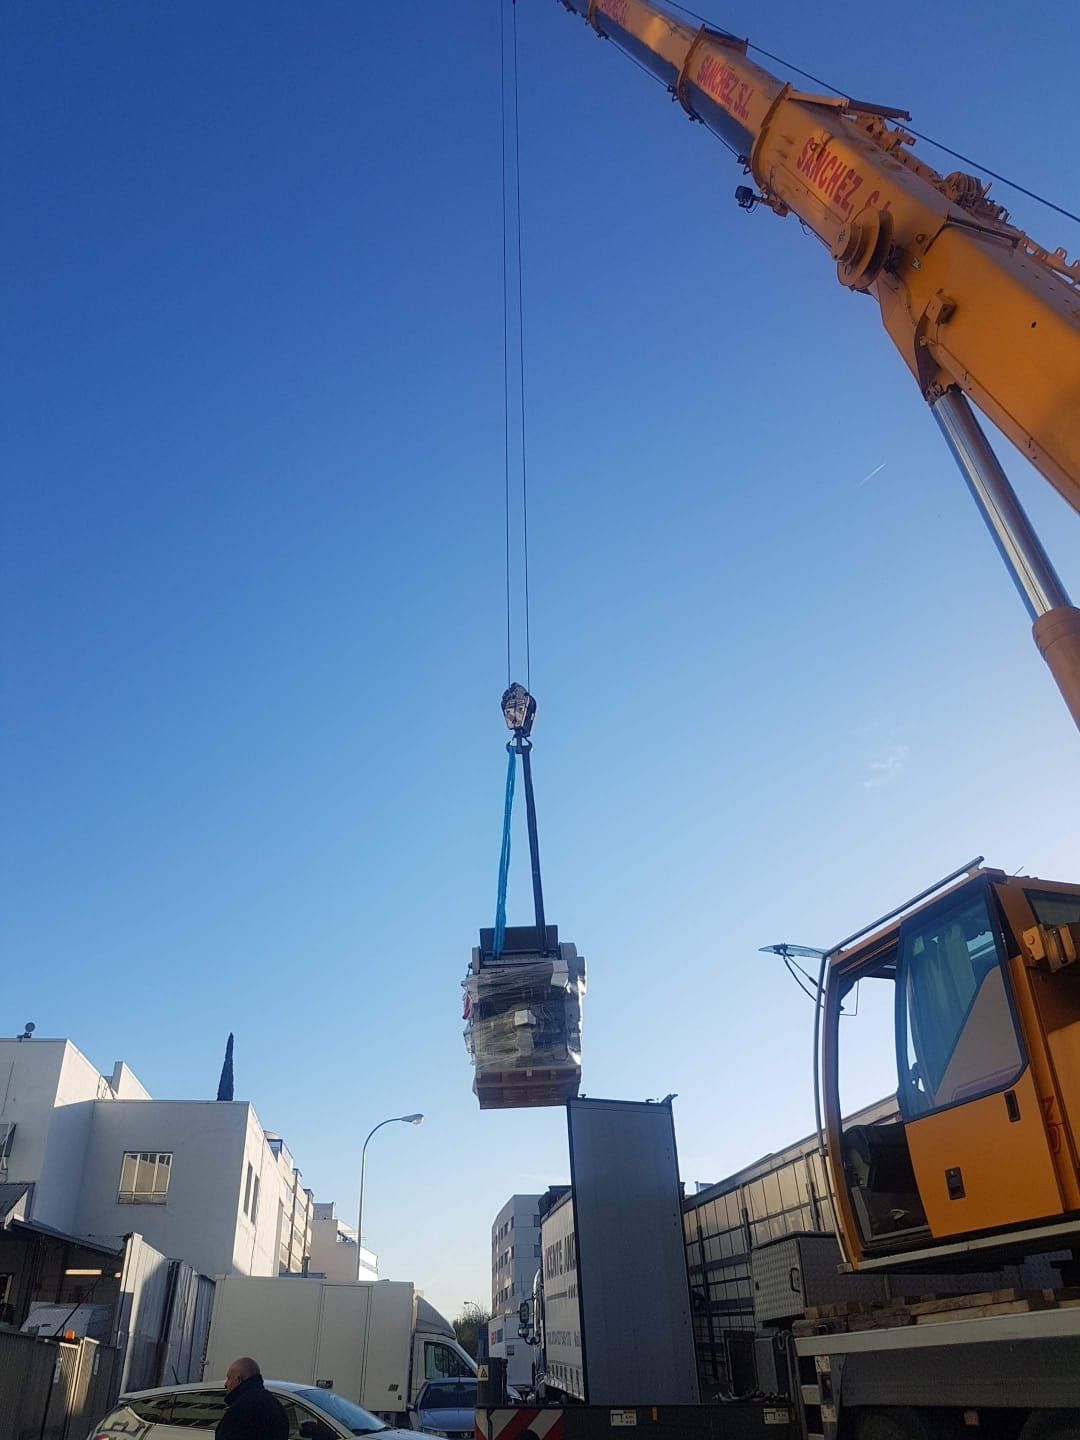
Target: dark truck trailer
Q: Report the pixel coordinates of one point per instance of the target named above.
(613, 1310)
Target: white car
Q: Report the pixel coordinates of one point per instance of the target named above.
(185, 1412)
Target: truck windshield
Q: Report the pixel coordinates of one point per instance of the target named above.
(359, 1422)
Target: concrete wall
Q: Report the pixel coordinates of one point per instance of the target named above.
(198, 1222)
(255, 1245)
(125, 1085)
(49, 1088)
(75, 1125)
(333, 1248)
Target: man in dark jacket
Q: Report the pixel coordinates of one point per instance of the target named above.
(252, 1412)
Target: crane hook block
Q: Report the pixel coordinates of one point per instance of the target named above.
(519, 709)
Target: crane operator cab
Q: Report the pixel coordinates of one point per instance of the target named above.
(982, 990)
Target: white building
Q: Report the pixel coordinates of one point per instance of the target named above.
(515, 1259)
(334, 1251)
(201, 1180)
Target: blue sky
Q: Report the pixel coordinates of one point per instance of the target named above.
(253, 587)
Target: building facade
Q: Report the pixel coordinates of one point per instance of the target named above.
(334, 1251)
(201, 1180)
(515, 1259)
(784, 1194)
(296, 1210)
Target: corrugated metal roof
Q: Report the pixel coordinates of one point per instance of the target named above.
(99, 1247)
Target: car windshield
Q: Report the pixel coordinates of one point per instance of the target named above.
(449, 1397)
(357, 1421)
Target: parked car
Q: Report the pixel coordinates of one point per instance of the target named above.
(446, 1407)
(185, 1412)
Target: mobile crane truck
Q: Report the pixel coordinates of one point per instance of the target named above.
(979, 1171)
(981, 1167)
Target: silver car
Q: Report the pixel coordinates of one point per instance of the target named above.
(448, 1407)
(185, 1412)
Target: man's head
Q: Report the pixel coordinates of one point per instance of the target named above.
(240, 1370)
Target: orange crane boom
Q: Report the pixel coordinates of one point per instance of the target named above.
(976, 308)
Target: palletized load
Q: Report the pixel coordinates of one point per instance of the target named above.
(524, 989)
(523, 1018)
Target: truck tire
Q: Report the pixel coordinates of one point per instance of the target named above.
(902, 1422)
(1051, 1425)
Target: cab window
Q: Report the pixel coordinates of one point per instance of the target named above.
(440, 1362)
(957, 1038)
(1054, 908)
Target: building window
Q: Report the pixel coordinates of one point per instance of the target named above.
(247, 1189)
(255, 1200)
(144, 1177)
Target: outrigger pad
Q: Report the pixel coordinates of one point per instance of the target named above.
(523, 1020)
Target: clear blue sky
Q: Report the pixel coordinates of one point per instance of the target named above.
(252, 570)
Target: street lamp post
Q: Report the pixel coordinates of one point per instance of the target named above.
(393, 1120)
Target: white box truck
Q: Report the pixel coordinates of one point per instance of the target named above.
(374, 1342)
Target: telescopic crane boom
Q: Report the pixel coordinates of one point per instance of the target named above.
(976, 308)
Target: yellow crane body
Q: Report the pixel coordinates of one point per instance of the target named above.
(975, 307)
(985, 980)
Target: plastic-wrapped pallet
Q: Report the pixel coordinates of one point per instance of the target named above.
(523, 1019)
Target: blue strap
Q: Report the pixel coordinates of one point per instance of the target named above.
(504, 858)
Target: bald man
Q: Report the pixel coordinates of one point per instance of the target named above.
(251, 1413)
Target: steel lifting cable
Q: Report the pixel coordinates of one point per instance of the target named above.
(506, 329)
(518, 705)
(513, 295)
(521, 355)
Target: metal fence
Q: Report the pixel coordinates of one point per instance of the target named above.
(53, 1389)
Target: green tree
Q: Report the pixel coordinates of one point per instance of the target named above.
(225, 1084)
(467, 1327)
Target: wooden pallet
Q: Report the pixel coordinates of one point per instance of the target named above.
(527, 1089)
(855, 1315)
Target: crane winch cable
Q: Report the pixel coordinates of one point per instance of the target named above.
(518, 706)
(513, 294)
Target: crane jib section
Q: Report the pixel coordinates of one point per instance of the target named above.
(968, 300)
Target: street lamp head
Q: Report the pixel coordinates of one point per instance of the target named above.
(413, 1119)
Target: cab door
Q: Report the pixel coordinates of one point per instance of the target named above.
(972, 1118)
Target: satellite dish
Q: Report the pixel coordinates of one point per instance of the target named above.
(28, 1030)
